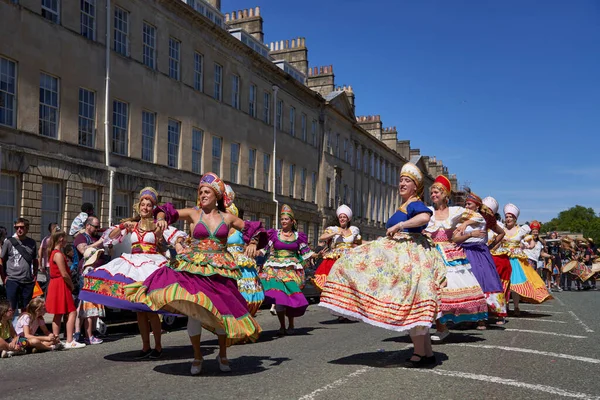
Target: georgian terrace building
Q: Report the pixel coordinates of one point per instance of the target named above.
(188, 90)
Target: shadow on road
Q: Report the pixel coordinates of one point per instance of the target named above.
(383, 359)
(169, 353)
(245, 365)
(338, 322)
(454, 337)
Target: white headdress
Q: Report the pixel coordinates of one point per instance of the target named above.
(492, 204)
(344, 209)
(512, 209)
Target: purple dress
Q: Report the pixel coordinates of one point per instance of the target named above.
(201, 283)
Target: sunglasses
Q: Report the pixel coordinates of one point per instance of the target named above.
(17, 227)
(95, 226)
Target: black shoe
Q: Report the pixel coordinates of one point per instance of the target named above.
(424, 362)
(281, 332)
(155, 354)
(143, 354)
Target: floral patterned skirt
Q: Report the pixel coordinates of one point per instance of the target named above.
(390, 283)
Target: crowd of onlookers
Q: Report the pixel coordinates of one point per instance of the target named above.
(47, 280)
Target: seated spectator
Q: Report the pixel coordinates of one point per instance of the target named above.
(30, 321)
(78, 224)
(9, 340)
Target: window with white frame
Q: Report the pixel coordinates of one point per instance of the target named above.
(292, 121)
(252, 101)
(267, 108)
(266, 170)
(251, 167)
(8, 92)
(8, 201)
(303, 127)
(122, 206)
(148, 134)
(49, 106)
(87, 19)
(197, 144)
(198, 71)
(174, 133)
(90, 195)
(279, 114)
(87, 117)
(235, 162)
(303, 184)
(235, 91)
(121, 31)
(51, 204)
(218, 92)
(149, 45)
(314, 187)
(51, 10)
(120, 123)
(279, 176)
(313, 132)
(292, 187)
(217, 144)
(174, 58)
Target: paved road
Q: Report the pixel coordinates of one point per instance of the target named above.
(553, 351)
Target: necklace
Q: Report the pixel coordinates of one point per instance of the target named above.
(146, 224)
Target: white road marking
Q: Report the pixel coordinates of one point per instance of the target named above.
(540, 320)
(545, 333)
(510, 382)
(585, 327)
(559, 301)
(530, 351)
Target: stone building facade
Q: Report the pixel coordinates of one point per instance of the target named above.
(190, 90)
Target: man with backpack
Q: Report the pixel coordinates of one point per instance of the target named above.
(18, 265)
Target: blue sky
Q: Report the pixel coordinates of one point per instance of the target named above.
(505, 93)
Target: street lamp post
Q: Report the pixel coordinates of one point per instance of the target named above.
(275, 90)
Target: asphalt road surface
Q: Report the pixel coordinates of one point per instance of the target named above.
(551, 352)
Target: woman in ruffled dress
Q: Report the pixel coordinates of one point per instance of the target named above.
(340, 239)
(524, 281)
(462, 298)
(474, 242)
(282, 275)
(249, 283)
(394, 282)
(501, 260)
(106, 284)
(201, 282)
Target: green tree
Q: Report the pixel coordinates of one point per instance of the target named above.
(576, 219)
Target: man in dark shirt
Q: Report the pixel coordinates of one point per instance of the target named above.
(18, 265)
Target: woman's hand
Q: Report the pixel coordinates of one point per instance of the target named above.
(460, 230)
(478, 234)
(251, 251)
(179, 247)
(394, 229)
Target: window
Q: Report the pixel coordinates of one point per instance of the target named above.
(8, 201)
(304, 227)
(315, 235)
(197, 141)
(8, 92)
(279, 114)
(372, 214)
(267, 108)
(314, 187)
(120, 122)
(179, 204)
(51, 202)
(329, 147)
(372, 157)
(358, 203)
(266, 169)
(235, 91)
(328, 193)
(198, 72)
(51, 11)
(174, 57)
(350, 198)
(313, 132)
(251, 167)
(303, 183)
(174, 131)
(358, 164)
(48, 105)
(90, 195)
(122, 208)
(377, 167)
(337, 145)
(148, 133)
(278, 176)
(121, 32)
(292, 121)
(252, 101)
(217, 144)
(87, 19)
(218, 82)
(149, 45)
(266, 221)
(346, 150)
(235, 162)
(87, 117)
(366, 162)
(351, 155)
(303, 127)
(292, 180)
(383, 175)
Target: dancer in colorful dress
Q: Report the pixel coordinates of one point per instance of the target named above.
(462, 298)
(282, 275)
(201, 282)
(394, 282)
(106, 284)
(340, 239)
(500, 258)
(249, 283)
(524, 281)
(474, 242)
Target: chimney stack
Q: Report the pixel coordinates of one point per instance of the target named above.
(293, 51)
(321, 79)
(248, 20)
